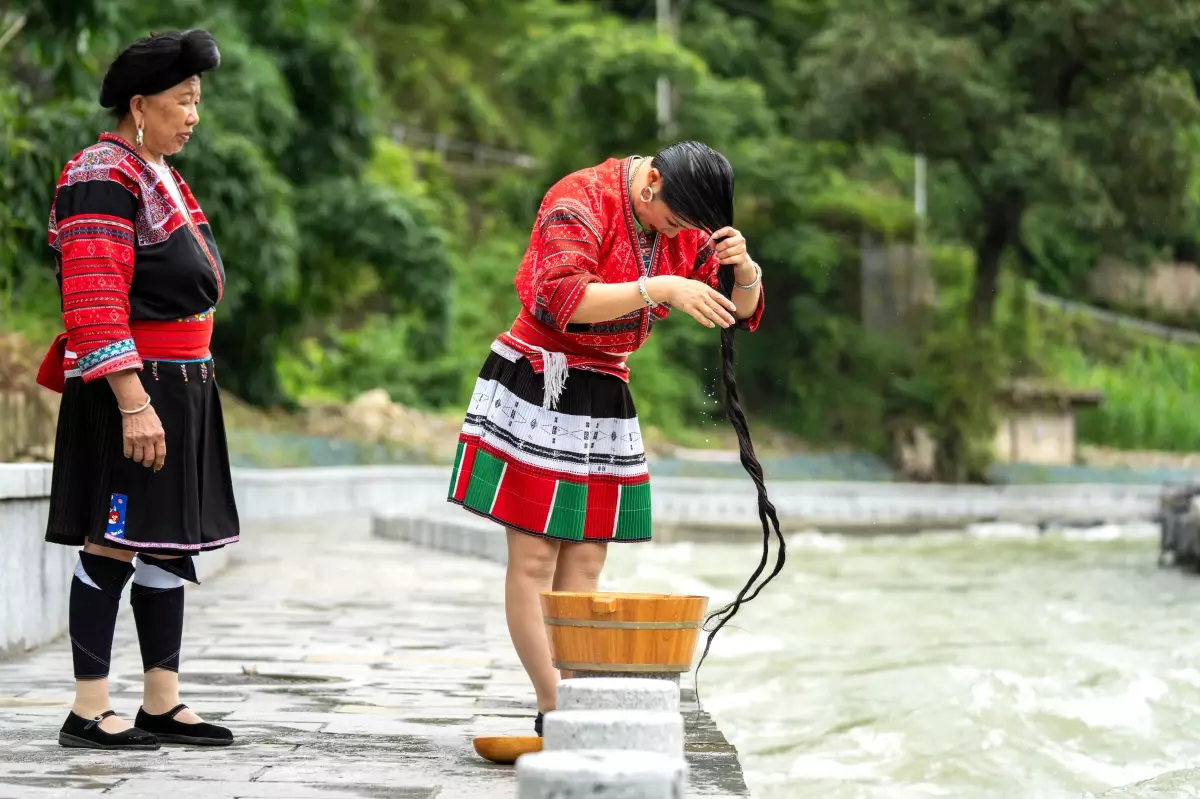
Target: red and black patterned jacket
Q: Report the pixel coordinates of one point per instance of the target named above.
(140, 276)
(586, 233)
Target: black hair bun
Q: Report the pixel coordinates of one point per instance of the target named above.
(156, 63)
(198, 52)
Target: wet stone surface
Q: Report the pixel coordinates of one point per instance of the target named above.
(346, 667)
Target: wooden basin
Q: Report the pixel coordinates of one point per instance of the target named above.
(506, 749)
(627, 633)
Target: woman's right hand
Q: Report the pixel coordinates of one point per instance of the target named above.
(705, 304)
(143, 438)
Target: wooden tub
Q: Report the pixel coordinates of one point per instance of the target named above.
(623, 633)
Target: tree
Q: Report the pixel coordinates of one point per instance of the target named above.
(279, 164)
(1078, 105)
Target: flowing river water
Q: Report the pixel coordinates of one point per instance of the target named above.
(992, 662)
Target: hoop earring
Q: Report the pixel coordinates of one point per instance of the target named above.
(139, 136)
(642, 194)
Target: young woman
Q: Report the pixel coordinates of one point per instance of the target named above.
(551, 448)
(141, 468)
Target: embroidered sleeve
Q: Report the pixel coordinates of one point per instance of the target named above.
(94, 227)
(706, 269)
(568, 260)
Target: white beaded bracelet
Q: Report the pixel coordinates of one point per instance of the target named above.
(144, 406)
(641, 283)
(757, 279)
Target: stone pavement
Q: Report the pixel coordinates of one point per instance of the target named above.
(346, 667)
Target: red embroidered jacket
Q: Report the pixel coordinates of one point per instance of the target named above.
(585, 233)
(112, 213)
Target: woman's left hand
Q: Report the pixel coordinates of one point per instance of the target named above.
(730, 245)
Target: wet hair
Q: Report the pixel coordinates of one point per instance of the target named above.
(154, 64)
(697, 185)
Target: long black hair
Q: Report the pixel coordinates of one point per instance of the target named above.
(697, 185)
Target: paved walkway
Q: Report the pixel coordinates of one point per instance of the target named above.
(346, 666)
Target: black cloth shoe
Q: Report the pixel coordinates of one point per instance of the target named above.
(80, 733)
(537, 724)
(170, 731)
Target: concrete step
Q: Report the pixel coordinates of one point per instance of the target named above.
(590, 774)
(618, 693)
(636, 730)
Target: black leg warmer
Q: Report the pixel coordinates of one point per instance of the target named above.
(157, 599)
(95, 597)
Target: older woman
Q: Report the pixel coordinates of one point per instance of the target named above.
(551, 448)
(141, 470)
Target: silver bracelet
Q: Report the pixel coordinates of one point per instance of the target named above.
(145, 405)
(645, 294)
(757, 279)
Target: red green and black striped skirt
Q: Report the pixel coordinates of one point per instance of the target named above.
(575, 473)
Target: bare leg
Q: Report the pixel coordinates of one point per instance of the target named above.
(530, 572)
(160, 693)
(91, 696)
(578, 570)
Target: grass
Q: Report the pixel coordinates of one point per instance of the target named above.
(1151, 397)
(1151, 387)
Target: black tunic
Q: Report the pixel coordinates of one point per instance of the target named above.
(140, 278)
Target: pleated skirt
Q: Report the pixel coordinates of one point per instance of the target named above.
(576, 473)
(99, 495)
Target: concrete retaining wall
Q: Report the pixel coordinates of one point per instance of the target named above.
(458, 533)
(865, 505)
(277, 494)
(34, 576)
(725, 503)
(699, 502)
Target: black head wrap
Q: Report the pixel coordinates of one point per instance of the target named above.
(155, 64)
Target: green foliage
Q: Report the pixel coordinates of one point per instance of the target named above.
(1150, 387)
(1055, 133)
(334, 91)
(377, 353)
(1059, 255)
(1166, 417)
(850, 208)
(1075, 105)
(278, 161)
(443, 71)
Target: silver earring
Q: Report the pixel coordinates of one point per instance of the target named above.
(139, 136)
(642, 193)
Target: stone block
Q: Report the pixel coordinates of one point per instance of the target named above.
(665, 676)
(618, 693)
(634, 730)
(607, 774)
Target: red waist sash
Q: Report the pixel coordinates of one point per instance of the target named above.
(529, 330)
(186, 339)
(177, 340)
(552, 355)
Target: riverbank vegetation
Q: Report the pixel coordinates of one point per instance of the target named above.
(371, 169)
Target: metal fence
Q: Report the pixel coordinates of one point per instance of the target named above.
(1173, 334)
(455, 149)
